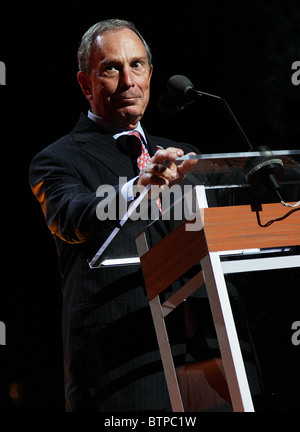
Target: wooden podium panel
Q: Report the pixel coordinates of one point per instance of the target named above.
(233, 228)
(225, 229)
(171, 258)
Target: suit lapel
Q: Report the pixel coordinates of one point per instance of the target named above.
(94, 141)
(101, 145)
(153, 144)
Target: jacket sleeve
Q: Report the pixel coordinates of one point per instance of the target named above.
(70, 207)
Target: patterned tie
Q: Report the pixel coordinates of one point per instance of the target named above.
(144, 158)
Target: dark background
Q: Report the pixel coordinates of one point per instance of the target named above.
(240, 50)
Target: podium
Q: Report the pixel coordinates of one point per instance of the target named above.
(230, 227)
(228, 239)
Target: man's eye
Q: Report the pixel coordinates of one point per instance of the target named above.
(137, 64)
(111, 68)
(110, 71)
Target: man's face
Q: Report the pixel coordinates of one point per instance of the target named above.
(119, 83)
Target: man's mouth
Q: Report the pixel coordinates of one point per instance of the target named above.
(128, 100)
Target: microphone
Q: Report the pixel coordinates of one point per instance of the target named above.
(181, 87)
(261, 171)
(178, 96)
(181, 93)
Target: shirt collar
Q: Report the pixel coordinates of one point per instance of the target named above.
(116, 131)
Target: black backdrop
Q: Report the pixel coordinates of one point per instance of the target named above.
(242, 51)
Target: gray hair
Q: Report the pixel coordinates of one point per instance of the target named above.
(84, 51)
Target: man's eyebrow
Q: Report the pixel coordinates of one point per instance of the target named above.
(139, 58)
(133, 59)
(106, 61)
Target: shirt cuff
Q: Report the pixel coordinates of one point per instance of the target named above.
(127, 190)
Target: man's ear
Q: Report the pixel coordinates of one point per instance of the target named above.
(150, 73)
(85, 84)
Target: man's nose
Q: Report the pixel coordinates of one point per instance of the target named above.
(126, 78)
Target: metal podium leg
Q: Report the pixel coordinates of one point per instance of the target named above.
(158, 315)
(226, 332)
(166, 355)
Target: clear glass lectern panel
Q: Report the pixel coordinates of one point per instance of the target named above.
(234, 163)
(225, 179)
(239, 178)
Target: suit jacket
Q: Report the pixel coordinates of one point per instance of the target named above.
(111, 357)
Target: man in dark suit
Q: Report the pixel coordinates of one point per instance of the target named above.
(111, 357)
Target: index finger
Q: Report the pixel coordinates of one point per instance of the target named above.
(187, 164)
(169, 154)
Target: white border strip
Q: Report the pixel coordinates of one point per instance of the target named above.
(260, 264)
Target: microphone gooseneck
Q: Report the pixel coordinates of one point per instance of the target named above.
(181, 88)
